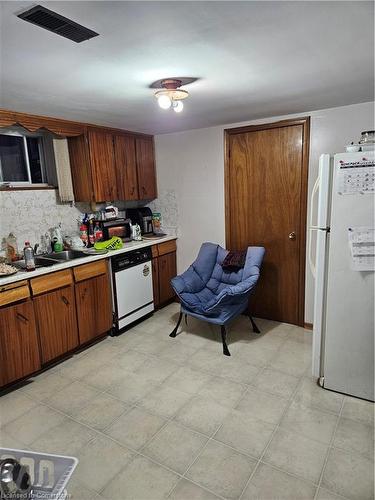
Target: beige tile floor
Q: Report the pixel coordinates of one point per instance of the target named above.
(150, 417)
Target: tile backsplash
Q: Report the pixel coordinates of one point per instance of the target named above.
(29, 214)
(166, 204)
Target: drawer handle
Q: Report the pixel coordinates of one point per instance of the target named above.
(22, 317)
(65, 300)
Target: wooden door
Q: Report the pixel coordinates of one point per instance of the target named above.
(102, 161)
(94, 307)
(146, 168)
(266, 188)
(126, 167)
(57, 322)
(19, 348)
(167, 271)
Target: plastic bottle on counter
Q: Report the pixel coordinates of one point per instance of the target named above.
(98, 233)
(91, 232)
(83, 234)
(28, 254)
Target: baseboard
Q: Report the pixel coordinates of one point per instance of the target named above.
(308, 326)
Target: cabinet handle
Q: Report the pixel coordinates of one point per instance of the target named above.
(22, 317)
(65, 300)
(143, 190)
(83, 294)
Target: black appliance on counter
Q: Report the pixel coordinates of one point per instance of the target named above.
(141, 216)
(117, 227)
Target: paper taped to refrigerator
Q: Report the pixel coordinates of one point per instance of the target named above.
(356, 177)
(362, 247)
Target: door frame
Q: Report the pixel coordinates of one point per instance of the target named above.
(305, 122)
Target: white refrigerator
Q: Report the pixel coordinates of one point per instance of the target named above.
(341, 256)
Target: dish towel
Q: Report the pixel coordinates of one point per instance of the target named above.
(64, 175)
(234, 260)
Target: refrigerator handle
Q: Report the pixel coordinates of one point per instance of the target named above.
(312, 227)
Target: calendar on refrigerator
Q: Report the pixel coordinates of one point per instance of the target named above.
(356, 177)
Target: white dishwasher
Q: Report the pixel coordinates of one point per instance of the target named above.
(132, 287)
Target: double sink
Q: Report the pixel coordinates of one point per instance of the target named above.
(52, 258)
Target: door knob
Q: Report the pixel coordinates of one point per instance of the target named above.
(292, 235)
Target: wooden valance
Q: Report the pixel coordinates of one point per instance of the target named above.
(35, 122)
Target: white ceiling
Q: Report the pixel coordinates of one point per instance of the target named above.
(254, 59)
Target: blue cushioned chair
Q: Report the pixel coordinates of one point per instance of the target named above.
(213, 294)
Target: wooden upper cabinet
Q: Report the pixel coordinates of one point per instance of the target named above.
(107, 165)
(80, 168)
(126, 167)
(146, 168)
(103, 168)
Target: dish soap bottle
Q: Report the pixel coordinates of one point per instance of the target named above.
(57, 239)
(29, 257)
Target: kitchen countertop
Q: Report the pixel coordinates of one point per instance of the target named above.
(128, 247)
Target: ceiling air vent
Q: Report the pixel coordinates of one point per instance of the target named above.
(56, 23)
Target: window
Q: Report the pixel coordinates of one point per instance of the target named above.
(21, 159)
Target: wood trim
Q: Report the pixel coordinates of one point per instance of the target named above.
(308, 326)
(51, 281)
(167, 247)
(59, 126)
(266, 126)
(14, 295)
(91, 270)
(305, 122)
(154, 251)
(303, 225)
(35, 122)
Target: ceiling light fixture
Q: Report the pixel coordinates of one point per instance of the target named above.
(170, 95)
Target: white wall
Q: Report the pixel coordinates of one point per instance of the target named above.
(191, 163)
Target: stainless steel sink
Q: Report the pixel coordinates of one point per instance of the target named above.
(66, 255)
(39, 262)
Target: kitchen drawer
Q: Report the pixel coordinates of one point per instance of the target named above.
(14, 292)
(90, 270)
(51, 281)
(167, 247)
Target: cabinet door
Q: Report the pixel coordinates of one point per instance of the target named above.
(146, 168)
(102, 161)
(57, 322)
(94, 307)
(155, 281)
(80, 168)
(126, 167)
(167, 271)
(19, 348)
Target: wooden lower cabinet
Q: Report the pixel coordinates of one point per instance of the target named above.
(163, 270)
(94, 307)
(19, 348)
(57, 322)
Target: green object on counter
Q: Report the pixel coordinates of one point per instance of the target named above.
(114, 243)
(58, 247)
